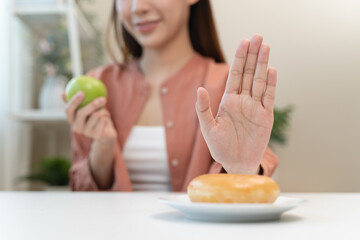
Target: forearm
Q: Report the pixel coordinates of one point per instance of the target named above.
(102, 162)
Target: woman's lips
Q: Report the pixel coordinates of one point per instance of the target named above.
(146, 27)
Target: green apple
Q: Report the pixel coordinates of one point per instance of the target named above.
(91, 87)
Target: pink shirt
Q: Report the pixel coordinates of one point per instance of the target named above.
(188, 154)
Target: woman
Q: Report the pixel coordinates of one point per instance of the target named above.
(157, 130)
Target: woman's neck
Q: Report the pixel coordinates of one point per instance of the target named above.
(158, 64)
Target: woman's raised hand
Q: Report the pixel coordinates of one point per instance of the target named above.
(239, 134)
(92, 120)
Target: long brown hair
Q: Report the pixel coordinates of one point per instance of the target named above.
(202, 30)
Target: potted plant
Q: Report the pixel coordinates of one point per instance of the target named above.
(53, 173)
(281, 123)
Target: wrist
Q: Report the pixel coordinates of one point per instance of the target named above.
(104, 143)
(102, 152)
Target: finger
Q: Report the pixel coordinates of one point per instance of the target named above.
(100, 128)
(93, 120)
(250, 64)
(203, 110)
(63, 96)
(261, 73)
(233, 83)
(72, 105)
(109, 121)
(83, 113)
(269, 96)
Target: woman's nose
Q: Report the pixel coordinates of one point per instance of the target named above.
(139, 6)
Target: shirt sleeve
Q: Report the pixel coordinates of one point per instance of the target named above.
(268, 164)
(81, 178)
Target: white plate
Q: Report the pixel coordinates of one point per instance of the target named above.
(230, 212)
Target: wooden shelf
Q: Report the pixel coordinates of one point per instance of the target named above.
(31, 22)
(36, 115)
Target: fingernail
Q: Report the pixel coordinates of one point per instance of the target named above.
(101, 101)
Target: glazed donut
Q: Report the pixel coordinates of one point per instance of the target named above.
(233, 188)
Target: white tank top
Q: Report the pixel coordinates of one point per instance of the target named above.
(145, 156)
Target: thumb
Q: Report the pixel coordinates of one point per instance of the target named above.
(203, 110)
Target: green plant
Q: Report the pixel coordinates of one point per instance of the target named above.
(53, 171)
(281, 123)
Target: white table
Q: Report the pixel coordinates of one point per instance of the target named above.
(103, 216)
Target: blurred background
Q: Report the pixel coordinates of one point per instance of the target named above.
(315, 45)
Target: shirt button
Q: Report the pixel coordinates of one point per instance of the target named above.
(175, 162)
(169, 124)
(164, 90)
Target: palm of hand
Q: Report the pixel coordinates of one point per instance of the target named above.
(244, 127)
(238, 136)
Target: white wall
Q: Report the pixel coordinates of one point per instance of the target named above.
(315, 45)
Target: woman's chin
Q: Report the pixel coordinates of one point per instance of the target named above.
(151, 43)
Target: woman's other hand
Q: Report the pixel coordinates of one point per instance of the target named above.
(92, 120)
(239, 134)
